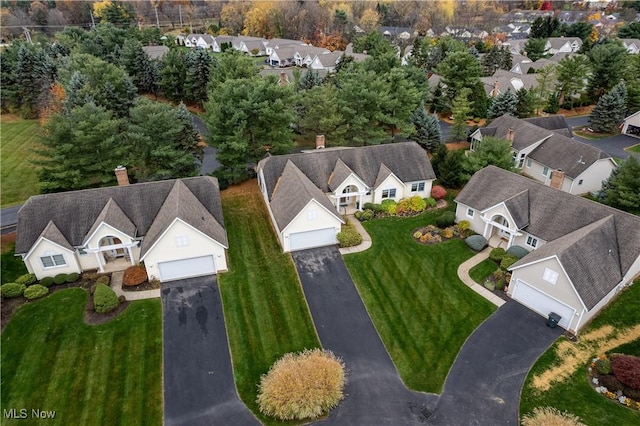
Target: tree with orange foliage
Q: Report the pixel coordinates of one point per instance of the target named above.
(53, 104)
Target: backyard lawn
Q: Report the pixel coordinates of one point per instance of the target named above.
(107, 374)
(421, 309)
(617, 324)
(12, 266)
(18, 139)
(265, 311)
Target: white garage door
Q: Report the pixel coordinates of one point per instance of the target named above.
(185, 268)
(310, 239)
(542, 303)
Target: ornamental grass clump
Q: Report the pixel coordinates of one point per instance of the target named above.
(302, 385)
(549, 416)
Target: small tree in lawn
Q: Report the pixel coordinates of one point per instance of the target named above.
(427, 129)
(622, 189)
(460, 108)
(491, 151)
(610, 110)
(504, 103)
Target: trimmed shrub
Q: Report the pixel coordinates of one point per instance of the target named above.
(60, 279)
(122, 299)
(373, 207)
(498, 277)
(90, 276)
(12, 289)
(104, 299)
(507, 261)
(134, 275)
(364, 215)
(46, 281)
(389, 206)
(626, 368)
(417, 235)
(103, 280)
(35, 291)
(430, 202)
(610, 382)
(476, 242)
(26, 279)
(631, 393)
(489, 285)
(549, 416)
(349, 236)
(301, 386)
(413, 204)
(517, 251)
(497, 254)
(438, 192)
(72, 277)
(463, 225)
(447, 233)
(603, 366)
(446, 219)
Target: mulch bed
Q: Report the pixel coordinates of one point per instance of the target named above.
(141, 287)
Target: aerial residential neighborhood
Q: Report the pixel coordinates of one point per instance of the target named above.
(384, 212)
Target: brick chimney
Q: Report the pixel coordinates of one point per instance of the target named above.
(510, 134)
(283, 79)
(495, 91)
(557, 177)
(319, 141)
(122, 176)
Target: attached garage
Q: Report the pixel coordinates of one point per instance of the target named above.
(186, 268)
(311, 239)
(542, 303)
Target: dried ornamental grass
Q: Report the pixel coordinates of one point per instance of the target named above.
(549, 416)
(302, 386)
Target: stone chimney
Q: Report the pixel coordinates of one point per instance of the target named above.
(557, 177)
(495, 91)
(319, 141)
(510, 134)
(283, 79)
(122, 176)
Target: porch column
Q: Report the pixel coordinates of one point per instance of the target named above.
(130, 255)
(360, 202)
(511, 235)
(100, 265)
(486, 228)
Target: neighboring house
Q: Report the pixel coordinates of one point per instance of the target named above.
(288, 76)
(632, 45)
(582, 253)
(563, 44)
(307, 193)
(253, 47)
(155, 52)
(503, 80)
(304, 54)
(174, 226)
(221, 41)
(326, 61)
(278, 43)
(203, 41)
(283, 57)
(631, 125)
(523, 68)
(549, 156)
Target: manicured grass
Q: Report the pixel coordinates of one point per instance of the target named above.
(635, 148)
(12, 266)
(575, 394)
(421, 309)
(264, 307)
(482, 270)
(19, 139)
(107, 374)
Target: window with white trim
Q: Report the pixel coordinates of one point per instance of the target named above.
(528, 163)
(580, 181)
(470, 212)
(312, 214)
(389, 193)
(51, 260)
(521, 162)
(417, 186)
(182, 241)
(550, 276)
(545, 171)
(532, 241)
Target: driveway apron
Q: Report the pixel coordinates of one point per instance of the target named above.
(375, 395)
(198, 378)
(483, 386)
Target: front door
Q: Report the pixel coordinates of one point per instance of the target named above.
(119, 252)
(504, 222)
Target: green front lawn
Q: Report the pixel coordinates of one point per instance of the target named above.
(264, 306)
(19, 139)
(482, 270)
(107, 374)
(575, 394)
(421, 309)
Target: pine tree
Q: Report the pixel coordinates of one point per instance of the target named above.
(139, 66)
(491, 151)
(309, 80)
(198, 63)
(461, 108)
(427, 129)
(173, 72)
(610, 110)
(622, 189)
(504, 103)
(525, 103)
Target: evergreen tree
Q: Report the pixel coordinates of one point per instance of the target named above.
(460, 109)
(497, 58)
(504, 103)
(427, 129)
(198, 63)
(535, 48)
(309, 80)
(139, 66)
(230, 65)
(188, 136)
(459, 70)
(35, 72)
(173, 72)
(622, 189)
(319, 114)
(491, 151)
(610, 110)
(448, 166)
(607, 67)
(571, 73)
(525, 104)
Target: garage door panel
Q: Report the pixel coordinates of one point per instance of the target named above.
(185, 268)
(310, 239)
(542, 303)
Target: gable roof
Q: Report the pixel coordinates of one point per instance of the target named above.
(407, 160)
(340, 172)
(155, 52)
(556, 123)
(518, 206)
(53, 234)
(292, 193)
(525, 134)
(113, 216)
(553, 214)
(74, 213)
(590, 257)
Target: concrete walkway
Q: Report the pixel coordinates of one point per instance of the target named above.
(366, 239)
(463, 274)
(116, 285)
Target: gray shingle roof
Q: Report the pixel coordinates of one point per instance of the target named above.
(340, 172)
(556, 123)
(113, 215)
(518, 206)
(52, 233)
(590, 257)
(569, 155)
(525, 134)
(292, 192)
(74, 213)
(406, 160)
(553, 214)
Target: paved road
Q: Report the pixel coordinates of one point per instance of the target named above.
(613, 145)
(198, 378)
(375, 393)
(210, 161)
(9, 218)
(483, 386)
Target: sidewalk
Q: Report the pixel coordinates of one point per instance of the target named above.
(463, 274)
(366, 239)
(116, 286)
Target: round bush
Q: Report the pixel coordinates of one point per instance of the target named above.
(507, 261)
(626, 368)
(446, 219)
(134, 275)
(46, 281)
(349, 236)
(610, 382)
(35, 291)
(389, 206)
(60, 279)
(366, 215)
(72, 277)
(413, 204)
(545, 416)
(430, 201)
(603, 366)
(476, 242)
(517, 251)
(497, 254)
(12, 289)
(104, 299)
(438, 192)
(463, 225)
(302, 386)
(103, 280)
(26, 279)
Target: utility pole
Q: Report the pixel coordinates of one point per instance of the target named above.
(27, 35)
(157, 21)
(180, 11)
(93, 23)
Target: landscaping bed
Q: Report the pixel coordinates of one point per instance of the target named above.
(135, 279)
(617, 377)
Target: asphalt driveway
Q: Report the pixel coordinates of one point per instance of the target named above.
(483, 386)
(198, 378)
(375, 395)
